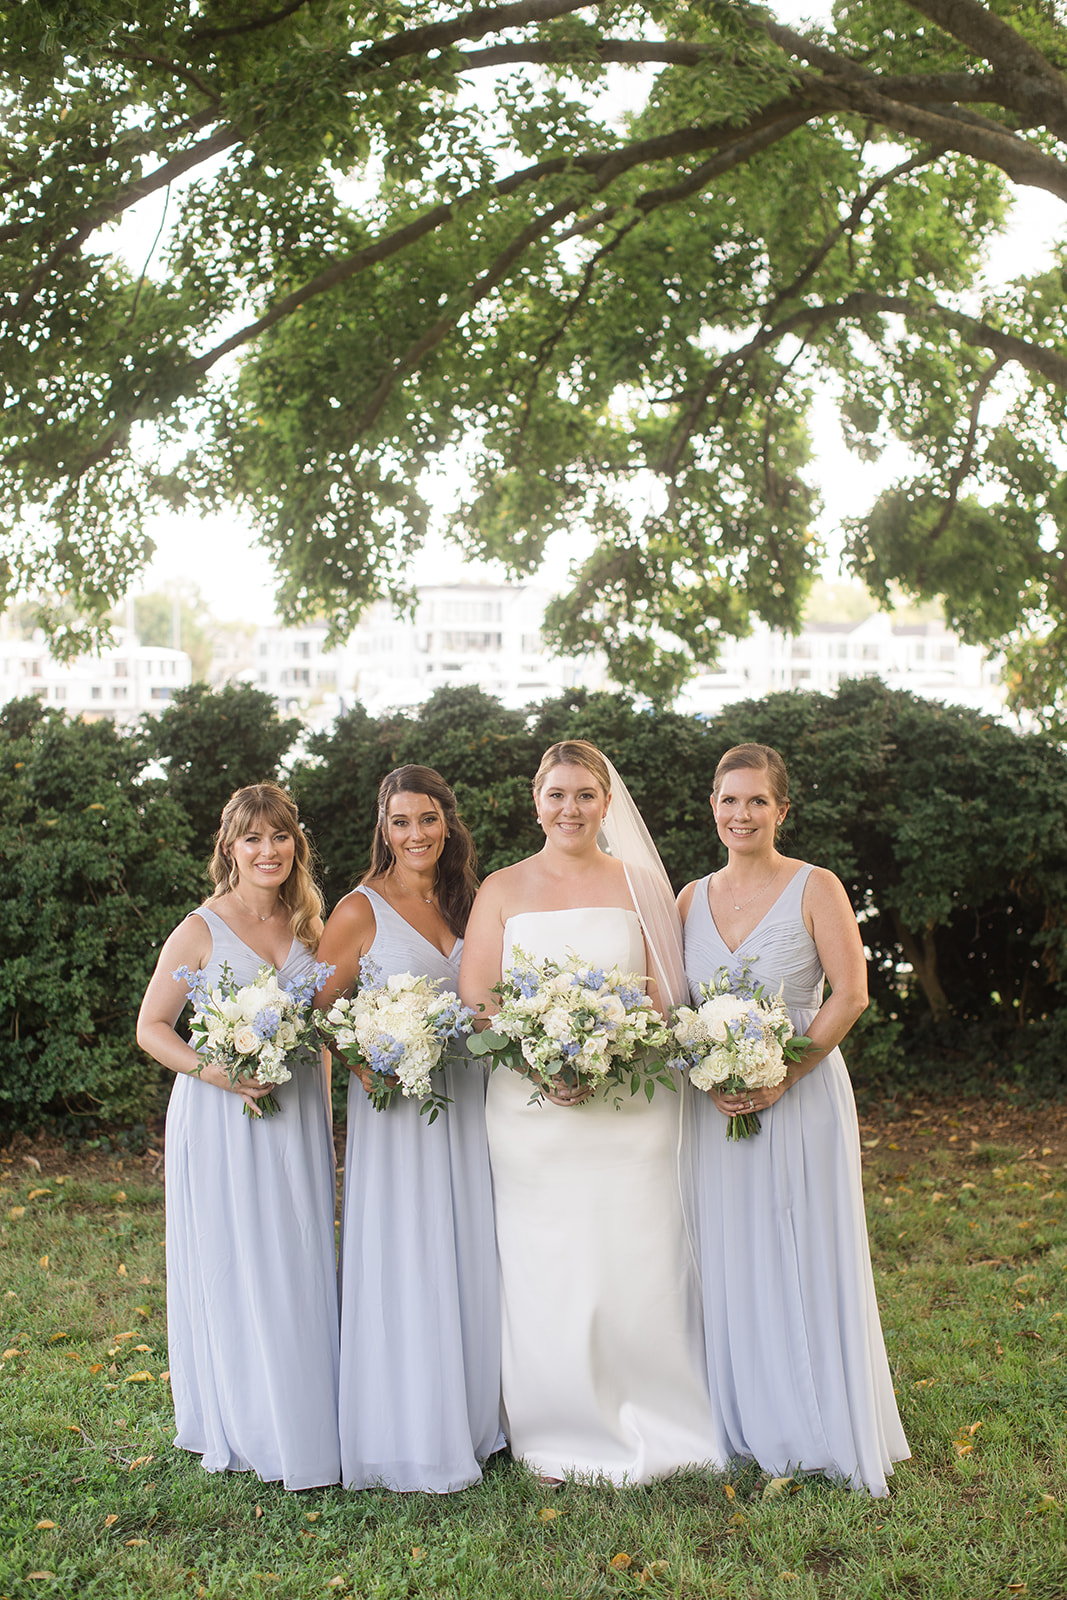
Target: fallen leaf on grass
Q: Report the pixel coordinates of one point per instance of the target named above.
(776, 1487)
(1016, 1588)
(312, 1516)
(40, 1574)
(790, 1575)
(141, 1461)
(97, 1366)
(145, 1348)
(111, 1519)
(9, 1355)
(1048, 1502)
(35, 1194)
(132, 1543)
(56, 1338)
(119, 1337)
(738, 1521)
(15, 1213)
(622, 1561)
(417, 1552)
(547, 1514)
(258, 1512)
(120, 1270)
(119, 1195)
(44, 1524)
(729, 1491)
(31, 1161)
(138, 1377)
(43, 1263)
(72, 1355)
(336, 1582)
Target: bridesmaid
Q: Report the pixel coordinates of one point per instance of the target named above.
(420, 1342)
(797, 1366)
(251, 1280)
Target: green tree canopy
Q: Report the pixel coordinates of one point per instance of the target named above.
(598, 253)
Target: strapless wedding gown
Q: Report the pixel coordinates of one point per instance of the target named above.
(603, 1368)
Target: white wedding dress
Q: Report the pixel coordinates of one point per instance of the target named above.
(603, 1368)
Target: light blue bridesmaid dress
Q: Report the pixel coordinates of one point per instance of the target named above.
(420, 1328)
(251, 1277)
(796, 1361)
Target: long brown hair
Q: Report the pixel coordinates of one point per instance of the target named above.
(267, 804)
(754, 757)
(457, 865)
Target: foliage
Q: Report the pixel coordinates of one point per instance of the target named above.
(968, 1245)
(431, 236)
(213, 742)
(96, 871)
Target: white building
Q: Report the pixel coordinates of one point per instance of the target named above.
(924, 657)
(482, 634)
(119, 683)
(305, 678)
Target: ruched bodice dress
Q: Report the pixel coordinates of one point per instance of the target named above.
(420, 1327)
(603, 1369)
(796, 1360)
(251, 1274)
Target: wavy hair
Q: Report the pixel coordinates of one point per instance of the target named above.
(269, 805)
(457, 865)
(573, 753)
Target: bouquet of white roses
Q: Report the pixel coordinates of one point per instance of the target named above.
(397, 1029)
(738, 1038)
(254, 1029)
(573, 1028)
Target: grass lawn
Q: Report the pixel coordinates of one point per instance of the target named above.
(969, 1240)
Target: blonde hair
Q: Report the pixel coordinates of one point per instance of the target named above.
(266, 803)
(573, 753)
(756, 758)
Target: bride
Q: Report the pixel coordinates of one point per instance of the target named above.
(603, 1372)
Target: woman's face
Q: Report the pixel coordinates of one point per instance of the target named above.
(571, 806)
(415, 830)
(264, 855)
(746, 811)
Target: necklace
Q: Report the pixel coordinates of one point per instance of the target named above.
(249, 910)
(427, 899)
(740, 906)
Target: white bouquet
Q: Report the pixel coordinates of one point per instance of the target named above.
(256, 1029)
(573, 1028)
(738, 1038)
(397, 1029)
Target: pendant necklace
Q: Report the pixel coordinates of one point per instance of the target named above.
(426, 899)
(249, 910)
(761, 890)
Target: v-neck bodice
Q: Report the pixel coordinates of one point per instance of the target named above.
(780, 950)
(393, 939)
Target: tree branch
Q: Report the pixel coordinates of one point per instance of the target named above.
(963, 465)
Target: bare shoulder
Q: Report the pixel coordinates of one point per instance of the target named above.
(190, 944)
(685, 898)
(352, 914)
(825, 897)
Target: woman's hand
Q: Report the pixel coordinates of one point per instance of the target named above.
(248, 1088)
(560, 1093)
(366, 1078)
(749, 1101)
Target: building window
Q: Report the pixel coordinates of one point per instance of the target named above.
(869, 652)
(122, 669)
(96, 693)
(160, 691)
(120, 692)
(59, 692)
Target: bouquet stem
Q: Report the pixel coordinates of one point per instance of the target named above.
(267, 1106)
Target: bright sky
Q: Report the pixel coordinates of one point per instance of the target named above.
(235, 576)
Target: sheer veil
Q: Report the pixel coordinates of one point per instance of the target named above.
(624, 835)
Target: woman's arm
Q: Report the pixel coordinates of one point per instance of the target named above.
(347, 937)
(483, 951)
(188, 946)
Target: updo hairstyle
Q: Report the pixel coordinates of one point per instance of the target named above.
(754, 757)
(457, 865)
(266, 806)
(573, 753)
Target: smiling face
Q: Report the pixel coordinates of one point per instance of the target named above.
(571, 805)
(415, 830)
(746, 810)
(263, 854)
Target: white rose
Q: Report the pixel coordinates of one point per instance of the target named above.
(611, 1009)
(245, 1041)
(715, 1014)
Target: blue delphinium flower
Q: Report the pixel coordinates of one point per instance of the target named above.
(592, 978)
(386, 1055)
(301, 990)
(198, 986)
(266, 1022)
(527, 983)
